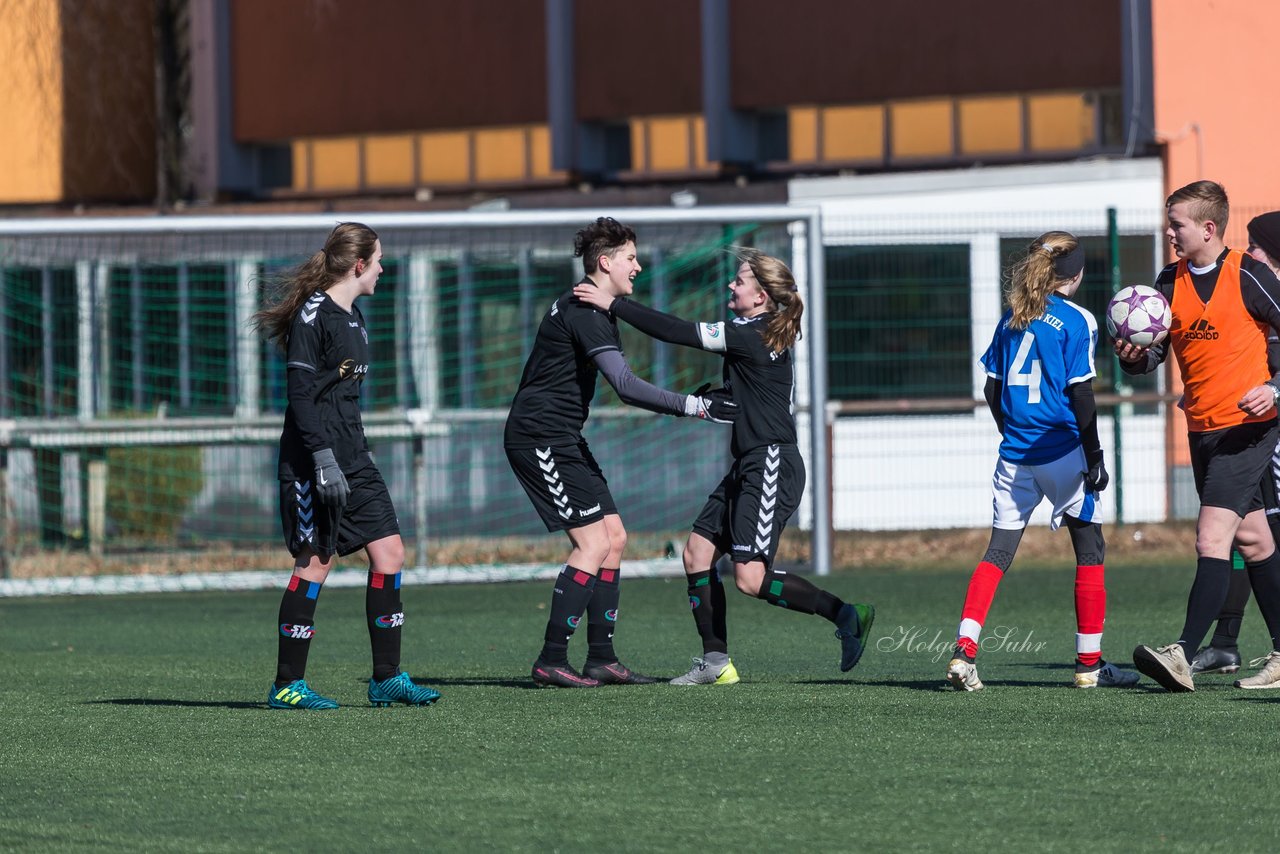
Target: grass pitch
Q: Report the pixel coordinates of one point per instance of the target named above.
(139, 723)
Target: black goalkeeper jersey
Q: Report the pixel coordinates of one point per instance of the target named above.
(559, 379)
(327, 360)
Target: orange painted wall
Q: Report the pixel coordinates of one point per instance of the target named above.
(1215, 70)
(31, 102)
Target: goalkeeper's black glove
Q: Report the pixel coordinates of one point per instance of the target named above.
(1096, 477)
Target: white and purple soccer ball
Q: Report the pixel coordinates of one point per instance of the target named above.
(1139, 315)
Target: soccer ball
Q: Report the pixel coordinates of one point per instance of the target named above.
(1139, 315)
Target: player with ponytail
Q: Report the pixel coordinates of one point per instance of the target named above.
(1040, 369)
(333, 500)
(745, 515)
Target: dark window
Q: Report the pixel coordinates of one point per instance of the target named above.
(898, 321)
(170, 339)
(40, 339)
(386, 314)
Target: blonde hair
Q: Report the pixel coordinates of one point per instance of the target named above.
(1033, 278)
(1206, 202)
(779, 284)
(347, 243)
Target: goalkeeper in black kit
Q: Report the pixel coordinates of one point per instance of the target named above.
(745, 514)
(333, 500)
(550, 457)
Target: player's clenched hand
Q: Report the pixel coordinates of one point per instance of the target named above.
(331, 483)
(1130, 353)
(1258, 399)
(593, 296)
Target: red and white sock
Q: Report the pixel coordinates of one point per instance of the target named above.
(977, 601)
(1091, 613)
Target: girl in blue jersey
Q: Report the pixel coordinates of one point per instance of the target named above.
(1039, 386)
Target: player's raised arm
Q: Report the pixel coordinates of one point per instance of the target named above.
(650, 321)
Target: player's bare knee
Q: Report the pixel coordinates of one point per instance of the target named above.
(617, 540)
(697, 556)
(386, 555)
(593, 546)
(749, 579)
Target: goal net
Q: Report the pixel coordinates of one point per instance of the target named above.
(140, 413)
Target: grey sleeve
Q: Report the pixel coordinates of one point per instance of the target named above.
(635, 391)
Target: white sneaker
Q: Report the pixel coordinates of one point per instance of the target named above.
(963, 675)
(1167, 665)
(1106, 676)
(706, 672)
(1267, 677)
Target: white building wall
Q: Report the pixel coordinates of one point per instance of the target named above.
(925, 471)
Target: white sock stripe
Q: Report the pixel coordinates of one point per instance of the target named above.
(970, 629)
(1089, 643)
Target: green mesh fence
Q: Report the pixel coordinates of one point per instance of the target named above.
(139, 416)
(143, 414)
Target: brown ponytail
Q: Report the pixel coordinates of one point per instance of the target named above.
(776, 280)
(1033, 278)
(347, 243)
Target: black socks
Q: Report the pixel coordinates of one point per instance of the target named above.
(385, 615)
(572, 593)
(295, 629)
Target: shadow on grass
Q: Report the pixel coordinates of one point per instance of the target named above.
(1257, 698)
(941, 684)
(149, 701)
(487, 681)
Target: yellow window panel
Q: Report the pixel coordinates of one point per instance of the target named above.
(639, 149)
(444, 158)
(540, 153)
(501, 154)
(852, 133)
(1060, 122)
(802, 134)
(700, 143)
(991, 125)
(921, 128)
(388, 161)
(669, 144)
(301, 164)
(335, 164)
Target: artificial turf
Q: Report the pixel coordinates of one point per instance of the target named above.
(139, 723)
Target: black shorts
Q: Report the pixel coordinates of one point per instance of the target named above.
(1271, 489)
(1230, 465)
(565, 484)
(745, 514)
(310, 523)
